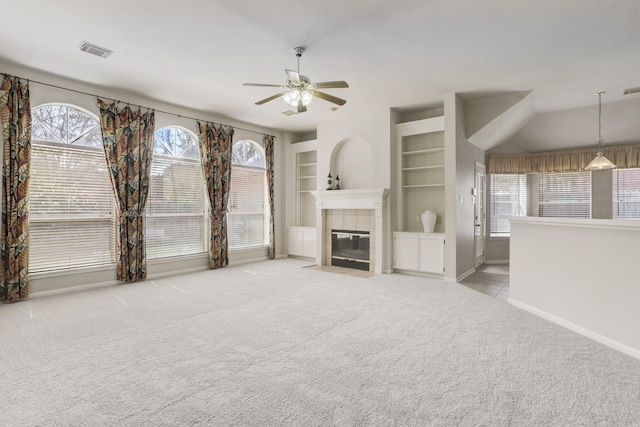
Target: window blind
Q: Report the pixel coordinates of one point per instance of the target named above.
(566, 194)
(72, 208)
(247, 207)
(177, 210)
(626, 193)
(508, 197)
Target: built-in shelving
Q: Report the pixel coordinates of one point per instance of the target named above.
(306, 182)
(421, 172)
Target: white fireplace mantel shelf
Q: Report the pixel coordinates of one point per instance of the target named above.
(359, 198)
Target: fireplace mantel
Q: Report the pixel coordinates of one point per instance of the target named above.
(359, 198)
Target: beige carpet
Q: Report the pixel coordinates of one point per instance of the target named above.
(273, 344)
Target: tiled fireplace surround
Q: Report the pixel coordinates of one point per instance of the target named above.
(356, 210)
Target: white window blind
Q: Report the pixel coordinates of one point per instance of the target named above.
(566, 194)
(71, 203)
(246, 220)
(72, 208)
(626, 193)
(177, 210)
(247, 206)
(508, 197)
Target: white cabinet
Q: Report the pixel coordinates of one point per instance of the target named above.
(431, 253)
(405, 250)
(422, 252)
(302, 241)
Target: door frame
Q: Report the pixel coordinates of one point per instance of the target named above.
(479, 213)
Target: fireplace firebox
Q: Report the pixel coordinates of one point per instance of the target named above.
(350, 249)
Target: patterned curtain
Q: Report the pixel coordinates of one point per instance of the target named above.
(215, 155)
(15, 113)
(268, 151)
(127, 137)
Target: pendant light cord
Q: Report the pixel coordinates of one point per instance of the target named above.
(600, 119)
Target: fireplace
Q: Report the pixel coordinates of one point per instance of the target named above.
(350, 248)
(355, 211)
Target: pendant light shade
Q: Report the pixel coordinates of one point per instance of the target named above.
(600, 162)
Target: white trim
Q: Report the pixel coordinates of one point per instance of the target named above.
(616, 224)
(418, 273)
(77, 288)
(466, 274)
(433, 124)
(248, 261)
(248, 249)
(497, 261)
(633, 352)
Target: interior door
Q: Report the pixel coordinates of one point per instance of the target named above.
(479, 199)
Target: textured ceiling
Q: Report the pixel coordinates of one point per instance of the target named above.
(404, 54)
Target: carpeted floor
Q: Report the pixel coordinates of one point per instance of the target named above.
(273, 344)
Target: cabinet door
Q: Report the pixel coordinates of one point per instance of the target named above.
(431, 255)
(309, 238)
(405, 252)
(295, 241)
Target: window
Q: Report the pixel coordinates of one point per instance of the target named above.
(72, 208)
(248, 213)
(566, 194)
(177, 208)
(508, 197)
(626, 193)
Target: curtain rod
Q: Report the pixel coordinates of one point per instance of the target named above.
(135, 105)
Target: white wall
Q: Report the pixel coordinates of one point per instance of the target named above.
(460, 164)
(582, 274)
(371, 130)
(41, 94)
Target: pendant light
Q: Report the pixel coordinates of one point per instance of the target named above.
(600, 162)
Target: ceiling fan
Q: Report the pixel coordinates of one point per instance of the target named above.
(300, 91)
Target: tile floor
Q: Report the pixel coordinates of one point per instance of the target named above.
(490, 279)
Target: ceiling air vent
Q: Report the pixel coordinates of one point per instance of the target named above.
(95, 50)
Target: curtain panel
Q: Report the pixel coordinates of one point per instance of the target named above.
(269, 156)
(623, 156)
(127, 138)
(215, 156)
(15, 114)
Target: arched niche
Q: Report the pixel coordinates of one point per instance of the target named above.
(351, 159)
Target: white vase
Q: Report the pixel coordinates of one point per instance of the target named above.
(428, 221)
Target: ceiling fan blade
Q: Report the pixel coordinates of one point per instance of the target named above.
(329, 98)
(271, 98)
(293, 76)
(301, 107)
(331, 85)
(261, 85)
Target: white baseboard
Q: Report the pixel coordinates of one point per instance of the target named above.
(497, 261)
(248, 261)
(633, 352)
(67, 289)
(465, 274)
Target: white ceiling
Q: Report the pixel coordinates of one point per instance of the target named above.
(403, 54)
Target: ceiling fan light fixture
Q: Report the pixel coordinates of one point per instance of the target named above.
(293, 97)
(306, 96)
(600, 162)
